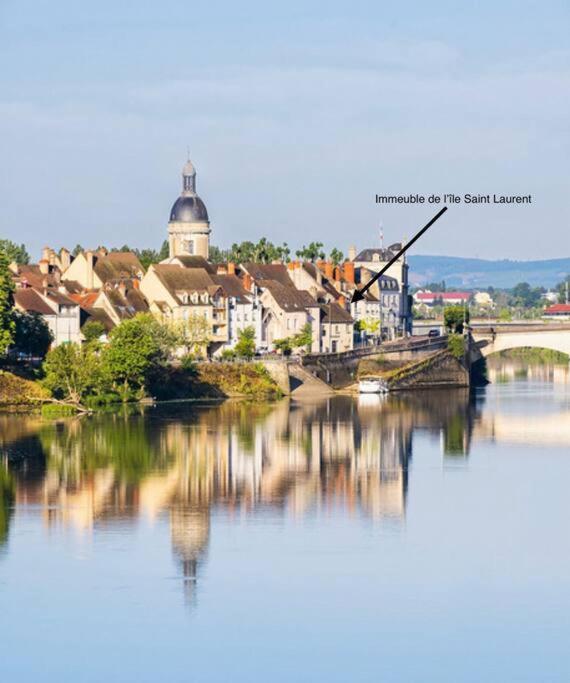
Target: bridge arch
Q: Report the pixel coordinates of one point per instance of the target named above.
(554, 340)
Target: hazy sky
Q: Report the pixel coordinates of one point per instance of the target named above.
(296, 114)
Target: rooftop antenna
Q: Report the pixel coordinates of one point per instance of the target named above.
(381, 235)
(187, 153)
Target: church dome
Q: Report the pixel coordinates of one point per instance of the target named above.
(189, 209)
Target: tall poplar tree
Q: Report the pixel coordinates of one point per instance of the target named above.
(7, 325)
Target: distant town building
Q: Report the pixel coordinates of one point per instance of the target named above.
(558, 312)
(441, 298)
(483, 299)
(90, 270)
(61, 313)
(373, 260)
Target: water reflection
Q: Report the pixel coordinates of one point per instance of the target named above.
(181, 462)
(184, 460)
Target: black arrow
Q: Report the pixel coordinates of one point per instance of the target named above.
(359, 293)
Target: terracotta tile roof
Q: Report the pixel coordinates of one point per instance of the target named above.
(289, 298)
(101, 316)
(86, 301)
(118, 265)
(232, 286)
(30, 274)
(333, 313)
(269, 271)
(72, 286)
(185, 280)
(558, 308)
(28, 299)
(195, 262)
(59, 298)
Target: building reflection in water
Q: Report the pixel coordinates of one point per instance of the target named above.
(184, 461)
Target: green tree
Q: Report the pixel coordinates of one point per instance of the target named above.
(164, 251)
(304, 338)
(193, 334)
(245, 346)
(370, 325)
(563, 288)
(456, 345)
(78, 249)
(284, 345)
(92, 331)
(7, 324)
(336, 256)
(138, 348)
(312, 252)
(454, 317)
(15, 252)
(505, 315)
(72, 372)
(525, 296)
(32, 335)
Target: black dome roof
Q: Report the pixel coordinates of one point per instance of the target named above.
(189, 210)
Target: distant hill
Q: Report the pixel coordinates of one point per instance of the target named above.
(473, 272)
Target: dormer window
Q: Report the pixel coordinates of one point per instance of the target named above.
(195, 298)
(205, 298)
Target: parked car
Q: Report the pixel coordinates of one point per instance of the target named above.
(434, 333)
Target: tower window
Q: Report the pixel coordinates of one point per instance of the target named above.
(190, 247)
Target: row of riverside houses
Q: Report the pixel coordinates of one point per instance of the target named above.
(278, 299)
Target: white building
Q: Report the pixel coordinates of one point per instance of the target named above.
(61, 314)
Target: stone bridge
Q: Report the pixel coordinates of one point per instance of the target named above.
(504, 336)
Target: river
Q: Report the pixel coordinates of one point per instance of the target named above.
(408, 538)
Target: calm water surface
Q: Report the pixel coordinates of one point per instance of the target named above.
(419, 538)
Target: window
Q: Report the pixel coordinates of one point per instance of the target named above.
(190, 246)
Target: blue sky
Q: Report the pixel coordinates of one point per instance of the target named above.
(296, 115)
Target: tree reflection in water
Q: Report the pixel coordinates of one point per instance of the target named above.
(183, 460)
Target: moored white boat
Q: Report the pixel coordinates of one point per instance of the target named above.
(372, 385)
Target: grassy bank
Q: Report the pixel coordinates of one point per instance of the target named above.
(217, 380)
(19, 393)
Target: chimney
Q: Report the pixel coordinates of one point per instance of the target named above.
(231, 268)
(90, 275)
(337, 274)
(342, 301)
(64, 259)
(328, 270)
(320, 264)
(51, 257)
(351, 253)
(122, 289)
(292, 265)
(136, 283)
(247, 282)
(102, 251)
(44, 266)
(349, 271)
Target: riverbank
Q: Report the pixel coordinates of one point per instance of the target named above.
(18, 393)
(199, 381)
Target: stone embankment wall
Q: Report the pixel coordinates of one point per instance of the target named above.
(442, 369)
(279, 373)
